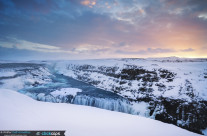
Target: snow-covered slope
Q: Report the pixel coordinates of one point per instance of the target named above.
(19, 112)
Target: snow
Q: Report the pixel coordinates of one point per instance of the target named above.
(17, 77)
(193, 70)
(20, 112)
(142, 108)
(7, 73)
(14, 83)
(66, 91)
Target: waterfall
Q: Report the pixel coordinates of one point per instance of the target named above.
(119, 105)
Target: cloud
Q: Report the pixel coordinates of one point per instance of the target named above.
(147, 51)
(159, 50)
(39, 6)
(24, 54)
(90, 49)
(89, 3)
(204, 48)
(95, 26)
(188, 50)
(203, 16)
(26, 45)
(120, 44)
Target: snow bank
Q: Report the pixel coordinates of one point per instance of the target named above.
(19, 112)
(66, 91)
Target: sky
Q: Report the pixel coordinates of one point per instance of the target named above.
(94, 29)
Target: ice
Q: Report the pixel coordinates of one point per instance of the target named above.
(205, 132)
(104, 103)
(120, 105)
(141, 108)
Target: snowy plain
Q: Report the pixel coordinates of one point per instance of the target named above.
(20, 112)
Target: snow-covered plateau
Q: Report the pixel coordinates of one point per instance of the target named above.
(172, 90)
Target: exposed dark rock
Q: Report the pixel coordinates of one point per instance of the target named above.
(191, 114)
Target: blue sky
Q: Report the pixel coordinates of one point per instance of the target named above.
(91, 29)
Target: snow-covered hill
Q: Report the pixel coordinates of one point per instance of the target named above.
(19, 112)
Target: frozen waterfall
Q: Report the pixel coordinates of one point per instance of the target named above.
(120, 105)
